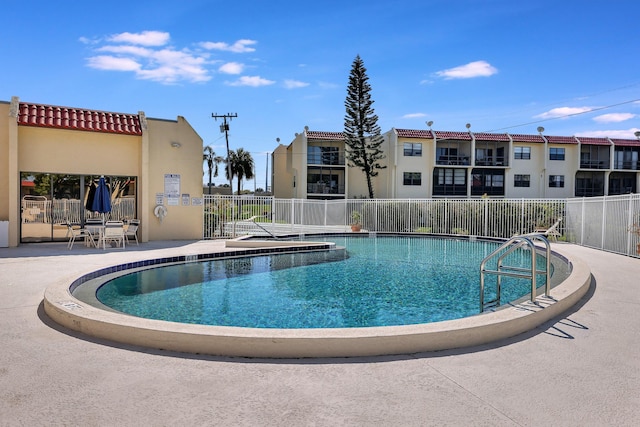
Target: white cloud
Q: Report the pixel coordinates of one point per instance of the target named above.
(127, 50)
(240, 46)
(563, 112)
(150, 57)
(145, 38)
(622, 134)
(231, 68)
(254, 81)
(414, 115)
(294, 84)
(468, 71)
(113, 63)
(613, 117)
(329, 85)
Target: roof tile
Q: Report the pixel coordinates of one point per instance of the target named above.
(521, 137)
(411, 133)
(461, 136)
(587, 140)
(561, 139)
(78, 119)
(484, 136)
(312, 134)
(626, 142)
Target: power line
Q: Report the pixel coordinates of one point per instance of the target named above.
(591, 110)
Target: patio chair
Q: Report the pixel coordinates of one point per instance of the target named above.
(113, 232)
(552, 232)
(132, 230)
(74, 232)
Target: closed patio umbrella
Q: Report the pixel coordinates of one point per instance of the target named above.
(102, 198)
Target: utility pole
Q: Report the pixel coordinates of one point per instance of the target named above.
(224, 127)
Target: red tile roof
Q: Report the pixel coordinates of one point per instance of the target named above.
(78, 119)
(312, 134)
(411, 133)
(561, 139)
(587, 140)
(520, 137)
(484, 136)
(460, 136)
(626, 142)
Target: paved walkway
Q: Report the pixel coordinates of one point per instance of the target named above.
(580, 370)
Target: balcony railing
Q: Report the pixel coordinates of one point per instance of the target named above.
(453, 160)
(628, 165)
(326, 159)
(321, 188)
(491, 161)
(594, 164)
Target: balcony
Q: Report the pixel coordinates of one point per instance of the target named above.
(587, 163)
(491, 161)
(627, 164)
(322, 188)
(325, 156)
(453, 160)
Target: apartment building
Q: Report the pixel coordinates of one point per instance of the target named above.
(428, 163)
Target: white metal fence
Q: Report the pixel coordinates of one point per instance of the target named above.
(606, 223)
(38, 209)
(226, 216)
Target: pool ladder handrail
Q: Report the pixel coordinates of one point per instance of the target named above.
(513, 244)
(253, 219)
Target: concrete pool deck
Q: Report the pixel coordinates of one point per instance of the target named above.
(581, 368)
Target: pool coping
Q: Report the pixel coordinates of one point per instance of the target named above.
(66, 310)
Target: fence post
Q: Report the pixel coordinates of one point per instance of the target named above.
(582, 222)
(325, 212)
(486, 217)
(604, 222)
(630, 225)
(292, 222)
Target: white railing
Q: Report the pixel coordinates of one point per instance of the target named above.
(58, 211)
(228, 216)
(605, 223)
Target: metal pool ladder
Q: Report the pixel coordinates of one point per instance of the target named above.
(511, 245)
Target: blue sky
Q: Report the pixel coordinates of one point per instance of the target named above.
(501, 65)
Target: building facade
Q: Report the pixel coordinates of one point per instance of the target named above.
(428, 163)
(52, 156)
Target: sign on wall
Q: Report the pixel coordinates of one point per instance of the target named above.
(172, 185)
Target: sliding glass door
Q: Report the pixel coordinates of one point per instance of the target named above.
(50, 201)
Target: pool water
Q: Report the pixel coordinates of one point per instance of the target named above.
(379, 281)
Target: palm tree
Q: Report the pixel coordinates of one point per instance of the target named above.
(241, 165)
(212, 161)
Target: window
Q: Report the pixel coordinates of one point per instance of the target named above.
(487, 181)
(556, 153)
(412, 178)
(484, 156)
(522, 180)
(556, 181)
(449, 182)
(626, 158)
(323, 155)
(589, 184)
(522, 153)
(413, 149)
(449, 156)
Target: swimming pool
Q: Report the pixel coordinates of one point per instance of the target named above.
(69, 304)
(383, 281)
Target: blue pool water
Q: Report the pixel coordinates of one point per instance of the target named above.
(378, 282)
